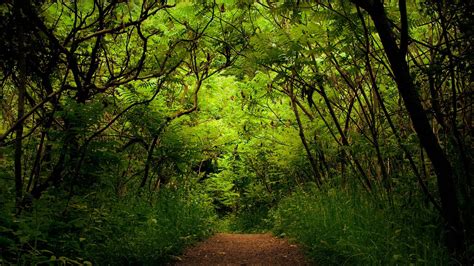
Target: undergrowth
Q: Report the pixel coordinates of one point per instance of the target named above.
(107, 231)
(340, 228)
(249, 220)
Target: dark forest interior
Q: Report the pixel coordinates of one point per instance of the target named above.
(132, 129)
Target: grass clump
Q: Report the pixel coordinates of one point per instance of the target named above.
(337, 227)
(136, 232)
(107, 230)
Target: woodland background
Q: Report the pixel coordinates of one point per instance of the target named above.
(131, 129)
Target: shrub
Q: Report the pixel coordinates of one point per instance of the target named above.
(137, 233)
(253, 219)
(108, 230)
(350, 229)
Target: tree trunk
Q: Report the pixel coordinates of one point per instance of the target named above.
(312, 160)
(407, 90)
(18, 144)
(21, 84)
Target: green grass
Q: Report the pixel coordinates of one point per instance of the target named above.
(107, 230)
(137, 233)
(337, 228)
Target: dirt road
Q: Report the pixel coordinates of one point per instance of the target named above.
(243, 249)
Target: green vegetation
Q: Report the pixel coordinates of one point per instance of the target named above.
(346, 228)
(132, 129)
(108, 229)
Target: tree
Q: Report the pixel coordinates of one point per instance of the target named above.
(396, 56)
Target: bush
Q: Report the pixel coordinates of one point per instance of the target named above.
(137, 233)
(339, 228)
(253, 219)
(106, 230)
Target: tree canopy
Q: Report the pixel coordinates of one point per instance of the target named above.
(337, 123)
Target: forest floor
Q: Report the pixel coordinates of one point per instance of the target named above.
(243, 249)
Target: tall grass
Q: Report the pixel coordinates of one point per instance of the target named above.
(107, 230)
(339, 228)
(141, 233)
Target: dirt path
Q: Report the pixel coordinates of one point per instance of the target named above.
(243, 249)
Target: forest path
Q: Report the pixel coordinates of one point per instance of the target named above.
(243, 249)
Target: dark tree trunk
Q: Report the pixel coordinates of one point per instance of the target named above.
(149, 158)
(19, 145)
(21, 85)
(312, 160)
(407, 90)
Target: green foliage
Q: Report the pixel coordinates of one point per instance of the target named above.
(220, 187)
(107, 230)
(146, 121)
(251, 219)
(137, 232)
(339, 227)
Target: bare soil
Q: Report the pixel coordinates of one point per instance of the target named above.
(243, 249)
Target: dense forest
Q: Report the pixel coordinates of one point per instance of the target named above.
(131, 129)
